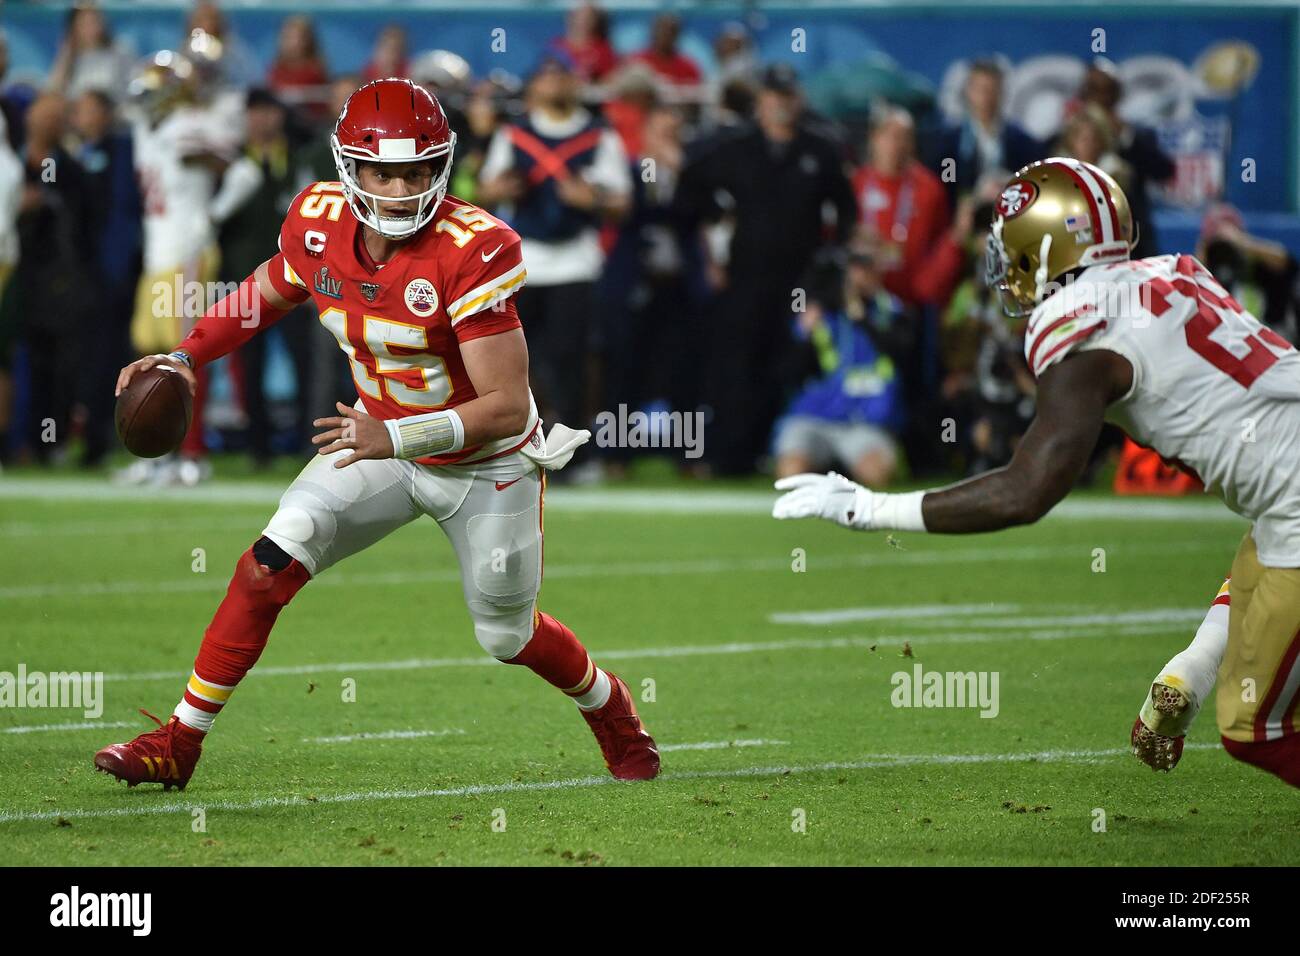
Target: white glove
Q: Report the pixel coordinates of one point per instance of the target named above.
(830, 496)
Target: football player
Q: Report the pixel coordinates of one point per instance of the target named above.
(1157, 347)
(418, 288)
(181, 148)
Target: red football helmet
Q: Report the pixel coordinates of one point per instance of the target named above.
(392, 121)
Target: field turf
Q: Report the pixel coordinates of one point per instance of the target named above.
(781, 744)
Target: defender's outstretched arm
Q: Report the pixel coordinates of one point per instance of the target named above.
(1072, 400)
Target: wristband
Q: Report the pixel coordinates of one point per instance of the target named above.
(437, 433)
(184, 357)
(900, 512)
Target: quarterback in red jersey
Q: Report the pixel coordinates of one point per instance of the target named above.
(417, 287)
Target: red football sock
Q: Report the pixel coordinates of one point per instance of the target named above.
(556, 655)
(237, 636)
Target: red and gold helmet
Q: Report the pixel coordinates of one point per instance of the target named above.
(1054, 216)
(392, 121)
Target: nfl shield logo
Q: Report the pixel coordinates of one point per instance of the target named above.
(370, 290)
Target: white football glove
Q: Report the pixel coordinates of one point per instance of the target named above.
(830, 496)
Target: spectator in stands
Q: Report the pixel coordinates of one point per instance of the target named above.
(586, 41)
(662, 55)
(772, 179)
(651, 357)
(52, 302)
(846, 417)
(1263, 275)
(319, 155)
(633, 94)
(983, 144)
(11, 125)
(557, 175)
(389, 55)
(248, 236)
(987, 386)
(89, 58)
(483, 109)
(1135, 145)
(113, 210)
(1089, 136)
(239, 68)
(299, 76)
(11, 195)
(902, 205)
(733, 48)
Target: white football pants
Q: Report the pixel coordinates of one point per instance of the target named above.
(491, 513)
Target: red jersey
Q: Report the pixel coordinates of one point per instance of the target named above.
(401, 323)
(908, 214)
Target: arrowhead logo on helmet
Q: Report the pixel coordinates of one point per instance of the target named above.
(1054, 216)
(392, 121)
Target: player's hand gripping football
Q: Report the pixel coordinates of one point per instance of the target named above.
(366, 436)
(149, 361)
(830, 496)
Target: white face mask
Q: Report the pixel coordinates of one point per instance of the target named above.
(365, 205)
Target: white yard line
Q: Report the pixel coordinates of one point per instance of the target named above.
(217, 580)
(721, 745)
(943, 615)
(890, 613)
(593, 500)
(876, 761)
(385, 735)
(683, 650)
(86, 725)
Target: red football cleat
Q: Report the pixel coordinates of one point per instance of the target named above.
(166, 755)
(629, 751)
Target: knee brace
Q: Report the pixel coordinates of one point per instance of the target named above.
(502, 631)
(505, 574)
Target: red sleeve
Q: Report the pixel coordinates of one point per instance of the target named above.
(230, 323)
(500, 318)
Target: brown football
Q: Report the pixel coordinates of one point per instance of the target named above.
(153, 412)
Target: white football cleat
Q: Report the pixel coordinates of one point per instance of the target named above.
(1161, 727)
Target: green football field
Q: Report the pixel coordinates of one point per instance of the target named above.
(763, 655)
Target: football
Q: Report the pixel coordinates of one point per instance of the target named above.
(153, 412)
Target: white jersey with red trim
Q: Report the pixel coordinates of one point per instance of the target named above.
(1213, 388)
(177, 186)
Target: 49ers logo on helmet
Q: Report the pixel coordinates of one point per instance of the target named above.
(1016, 198)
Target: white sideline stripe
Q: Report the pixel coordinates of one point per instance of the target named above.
(875, 761)
(939, 612)
(688, 650)
(866, 559)
(892, 612)
(595, 500)
(722, 745)
(86, 725)
(384, 735)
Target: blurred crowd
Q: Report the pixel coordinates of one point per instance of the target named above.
(695, 240)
